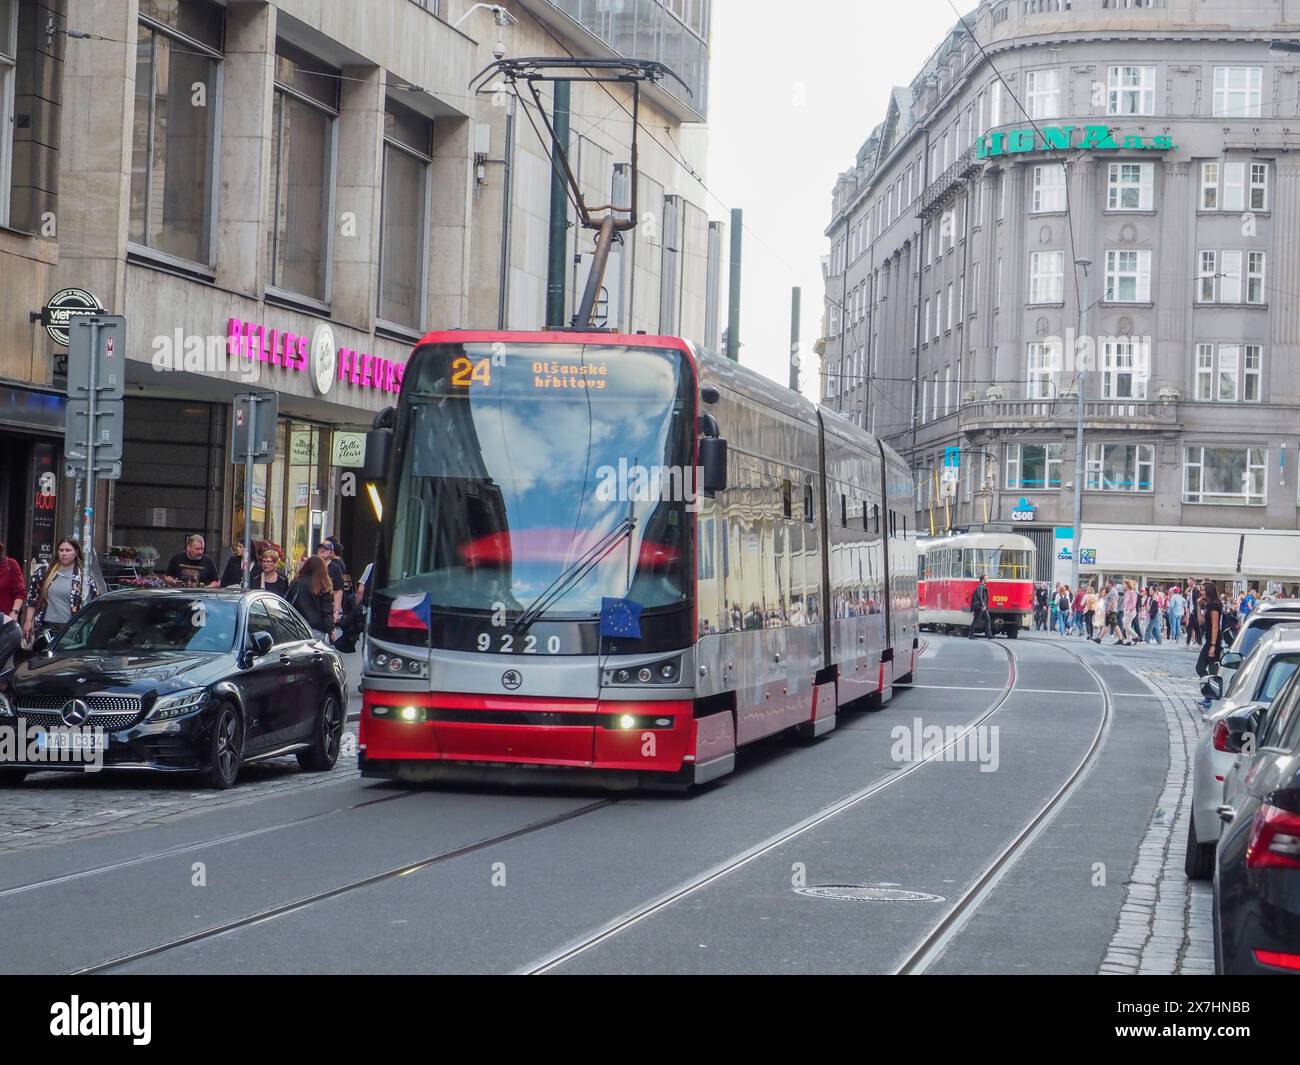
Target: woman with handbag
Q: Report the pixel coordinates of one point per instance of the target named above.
(312, 595)
(59, 590)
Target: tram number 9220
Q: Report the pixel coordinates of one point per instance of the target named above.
(507, 644)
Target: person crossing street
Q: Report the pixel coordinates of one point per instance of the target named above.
(979, 606)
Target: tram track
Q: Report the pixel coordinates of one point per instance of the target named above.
(932, 945)
(273, 912)
(635, 916)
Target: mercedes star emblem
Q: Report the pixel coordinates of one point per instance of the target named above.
(75, 712)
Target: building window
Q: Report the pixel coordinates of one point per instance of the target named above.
(1120, 467)
(1049, 187)
(1220, 277)
(947, 390)
(8, 66)
(1128, 276)
(995, 103)
(951, 320)
(1224, 186)
(1033, 466)
(1130, 187)
(173, 141)
(1232, 476)
(1124, 370)
(1238, 92)
(1046, 276)
(1132, 91)
(403, 233)
(1043, 93)
(1044, 369)
(1229, 373)
(303, 120)
(1259, 186)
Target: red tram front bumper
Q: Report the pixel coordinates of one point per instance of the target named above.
(401, 731)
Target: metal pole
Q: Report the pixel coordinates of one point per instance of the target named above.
(1080, 473)
(733, 282)
(88, 514)
(596, 279)
(507, 207)
(246, 579)
(557, 251)
(796, 295)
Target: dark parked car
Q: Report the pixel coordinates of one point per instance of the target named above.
(1257, 874)
(185, 681)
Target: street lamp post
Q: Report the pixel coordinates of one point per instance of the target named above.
(1080, 473)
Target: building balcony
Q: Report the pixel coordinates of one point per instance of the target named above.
(945, 186)
(1111, 414)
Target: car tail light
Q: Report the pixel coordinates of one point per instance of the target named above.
(1274, 840)
(1221, 737)
(1278, 959)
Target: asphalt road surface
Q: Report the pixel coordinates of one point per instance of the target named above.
(881, 847)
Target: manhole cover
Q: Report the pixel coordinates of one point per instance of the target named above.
(858, 893)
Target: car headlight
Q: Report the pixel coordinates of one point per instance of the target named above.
(178, 705)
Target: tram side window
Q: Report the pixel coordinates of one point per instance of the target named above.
(875, 517)
(808, 504)
(787, 498)
(844, 510)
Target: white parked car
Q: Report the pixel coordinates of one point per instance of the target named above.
(1257, 679)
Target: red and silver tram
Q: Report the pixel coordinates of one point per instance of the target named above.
(608, 554)
(949, 568)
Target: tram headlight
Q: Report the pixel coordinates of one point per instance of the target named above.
(395, 664)
(669, 671)
(407, 715)
(627, 721)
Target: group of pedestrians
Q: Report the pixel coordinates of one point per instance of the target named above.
(322, 590)
(1134, 614)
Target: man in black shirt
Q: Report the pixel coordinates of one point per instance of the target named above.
(979, 607)
(191, 568)
(327, 550)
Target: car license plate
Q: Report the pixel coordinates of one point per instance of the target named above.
(72, 741)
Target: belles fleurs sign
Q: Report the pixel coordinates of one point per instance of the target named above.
(1067, 138)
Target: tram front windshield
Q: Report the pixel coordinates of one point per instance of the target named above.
(543, 476)
(996, 563)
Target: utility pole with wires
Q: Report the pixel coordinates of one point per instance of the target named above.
(609, 220)
(1080, 473)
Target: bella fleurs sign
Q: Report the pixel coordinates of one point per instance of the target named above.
(1067, 138)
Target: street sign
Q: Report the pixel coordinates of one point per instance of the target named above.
(108, 471)
(63, 308)
(1087, 556)
(101, 337)
(108, 431)
(255, 417)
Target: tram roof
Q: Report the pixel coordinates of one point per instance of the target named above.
(982, 540)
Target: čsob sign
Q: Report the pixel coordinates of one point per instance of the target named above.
(1065, 138)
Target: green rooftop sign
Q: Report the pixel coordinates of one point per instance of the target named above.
(1067, 138)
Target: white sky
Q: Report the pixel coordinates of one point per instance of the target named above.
(795, 90)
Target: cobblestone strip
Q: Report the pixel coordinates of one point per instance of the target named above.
(1165, 924)
(52, 808)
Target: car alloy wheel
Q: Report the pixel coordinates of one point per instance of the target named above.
(227, 747)
(328, 737)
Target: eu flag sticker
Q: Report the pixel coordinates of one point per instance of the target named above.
(621, 618)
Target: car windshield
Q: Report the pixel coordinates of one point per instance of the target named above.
(174, 623)
(1256, 628)
(1279, 672)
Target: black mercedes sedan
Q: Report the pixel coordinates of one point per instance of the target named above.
(1257, 868)
(178, 681)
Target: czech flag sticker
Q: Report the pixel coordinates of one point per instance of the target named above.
(410, 612)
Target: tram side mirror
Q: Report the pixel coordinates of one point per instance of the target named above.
(713, 465)
(710, 394)
(379, 450)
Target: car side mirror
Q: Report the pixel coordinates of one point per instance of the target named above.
(262, 644)
(1242, 725)
(1231, 660)
(1212, 687)
(42, 644)
(713, 465)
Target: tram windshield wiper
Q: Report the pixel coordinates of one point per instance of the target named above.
(574, 573)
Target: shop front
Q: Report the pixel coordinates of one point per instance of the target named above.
(33, 491)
